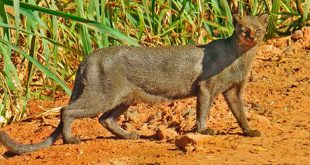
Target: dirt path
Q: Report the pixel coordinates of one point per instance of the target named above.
(277, 98)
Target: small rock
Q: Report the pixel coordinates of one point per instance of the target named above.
(151, 120)
(298, 45)
(199, 149)
(166, 133)
(269, 49)
(189, 142)
(158, 115)
(306, 32)
(2, 120)
(262, 119)
(154, 118)
(306, 39)
(116, 162)
(144, 126)
(189, 113)
(132, 115)
(1, 157)
(298, 34)
(289, 50)
(282, 42)
(40, 156)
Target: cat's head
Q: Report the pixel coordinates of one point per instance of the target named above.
(250, 29)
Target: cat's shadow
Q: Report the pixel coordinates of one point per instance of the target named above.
(9, 154)
(144, 137)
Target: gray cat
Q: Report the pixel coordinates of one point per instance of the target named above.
(109, 80)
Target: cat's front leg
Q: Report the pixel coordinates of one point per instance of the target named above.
(233, 97)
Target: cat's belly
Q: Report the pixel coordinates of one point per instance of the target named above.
(166, 84)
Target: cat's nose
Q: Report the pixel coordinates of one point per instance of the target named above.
(252, 33)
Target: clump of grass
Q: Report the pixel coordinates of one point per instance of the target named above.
(42, 42)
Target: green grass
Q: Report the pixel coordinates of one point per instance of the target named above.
(42, 42)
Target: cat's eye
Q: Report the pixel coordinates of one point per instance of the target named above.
(244, 29)
(258, 30)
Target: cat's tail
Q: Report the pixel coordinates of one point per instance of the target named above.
(17, 148)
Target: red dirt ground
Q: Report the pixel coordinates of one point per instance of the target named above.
(277, 99)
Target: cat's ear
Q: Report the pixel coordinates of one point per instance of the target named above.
(265, 18)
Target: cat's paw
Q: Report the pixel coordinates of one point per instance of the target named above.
(133, 136)
(252, 133)
(208, 131)
(72, 140)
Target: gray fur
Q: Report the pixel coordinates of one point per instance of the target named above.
(111, 79)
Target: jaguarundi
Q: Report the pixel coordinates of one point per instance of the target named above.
(109, 80)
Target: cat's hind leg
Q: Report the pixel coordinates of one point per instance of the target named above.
(109, 121)
(78, 109)
(204, 101)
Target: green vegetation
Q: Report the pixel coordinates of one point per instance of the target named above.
(42, 42)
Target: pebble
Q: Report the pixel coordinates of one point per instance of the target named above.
(298, 34)
(166, 133)
(190, 142)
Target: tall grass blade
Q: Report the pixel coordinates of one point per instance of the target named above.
(10, 72)
(89, 23)
(39, 66)
(44, 38)
(29, 73)
(17, 19)
(85, 38)
(272, 18)
(305, 15)
(105, 41)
